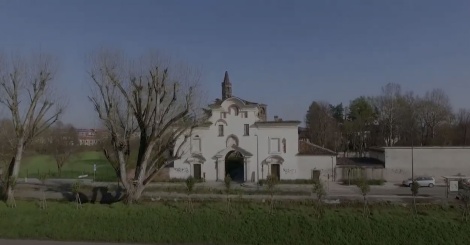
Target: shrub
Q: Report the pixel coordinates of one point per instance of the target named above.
(358, 181)
(190, 182)
(178, 180)
(228, 183)
(290, 181)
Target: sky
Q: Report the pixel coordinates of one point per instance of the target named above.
(285, 54)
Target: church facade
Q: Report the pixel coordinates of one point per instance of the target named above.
(239, 140)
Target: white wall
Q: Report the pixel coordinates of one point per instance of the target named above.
(430, 161)
(211, 143)
(325, 164)
(290, 134)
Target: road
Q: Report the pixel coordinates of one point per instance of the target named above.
(335, 191)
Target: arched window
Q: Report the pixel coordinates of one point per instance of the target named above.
(196, 144)
(232, 140)
(233, 110)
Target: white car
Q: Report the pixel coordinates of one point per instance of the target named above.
(422, 181)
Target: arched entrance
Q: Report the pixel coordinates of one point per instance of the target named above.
(234, 166)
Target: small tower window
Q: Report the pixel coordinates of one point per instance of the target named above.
(284, 145)
(246, 129)
(221, 130)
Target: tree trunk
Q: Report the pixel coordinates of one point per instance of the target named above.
(59, 170)
(8, 193)
(465, 136)
(133, 194)
(13, 170)
(366, 209)
(19, 153)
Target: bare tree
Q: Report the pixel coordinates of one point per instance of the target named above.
(320, 192)
(190, 183)
(25, 87)
(271, 182)
(388, 105)
(146, 100)
(7, 145)
(43, 179)
(62, 142)
(463, 125)
(434, 110)
(76, 189)
(364, 187)
(228, 186)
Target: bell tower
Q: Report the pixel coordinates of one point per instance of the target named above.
(226, 87)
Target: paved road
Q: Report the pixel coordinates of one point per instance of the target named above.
(31, 242)
(389, 191)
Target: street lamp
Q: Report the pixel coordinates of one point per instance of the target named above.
(332, 169)
(257, 160)
(412, 160)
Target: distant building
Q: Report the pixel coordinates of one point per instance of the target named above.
(89, 137)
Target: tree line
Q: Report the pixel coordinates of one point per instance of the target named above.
(392, 118)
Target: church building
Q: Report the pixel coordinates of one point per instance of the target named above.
(240, 141)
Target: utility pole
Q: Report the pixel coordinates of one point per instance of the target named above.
(94, 172)
(412, 161)
(257, 160)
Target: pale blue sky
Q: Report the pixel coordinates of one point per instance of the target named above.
(282, 53)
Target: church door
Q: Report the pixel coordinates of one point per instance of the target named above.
(276, 170)
(197, 171)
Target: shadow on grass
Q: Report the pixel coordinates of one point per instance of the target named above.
(101, 195)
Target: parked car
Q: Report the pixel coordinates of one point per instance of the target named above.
(422, 181)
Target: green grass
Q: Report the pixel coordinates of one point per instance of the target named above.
(79, 164)
(249, 223)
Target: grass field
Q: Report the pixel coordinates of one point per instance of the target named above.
(249, 223)
(78, 164)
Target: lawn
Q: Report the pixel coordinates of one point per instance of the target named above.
(79, 164)
(249, 223)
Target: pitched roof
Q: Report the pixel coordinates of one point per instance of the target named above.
(307, 148)
(359, 161)
(226, 78)
(218, 102)
(196, 156)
